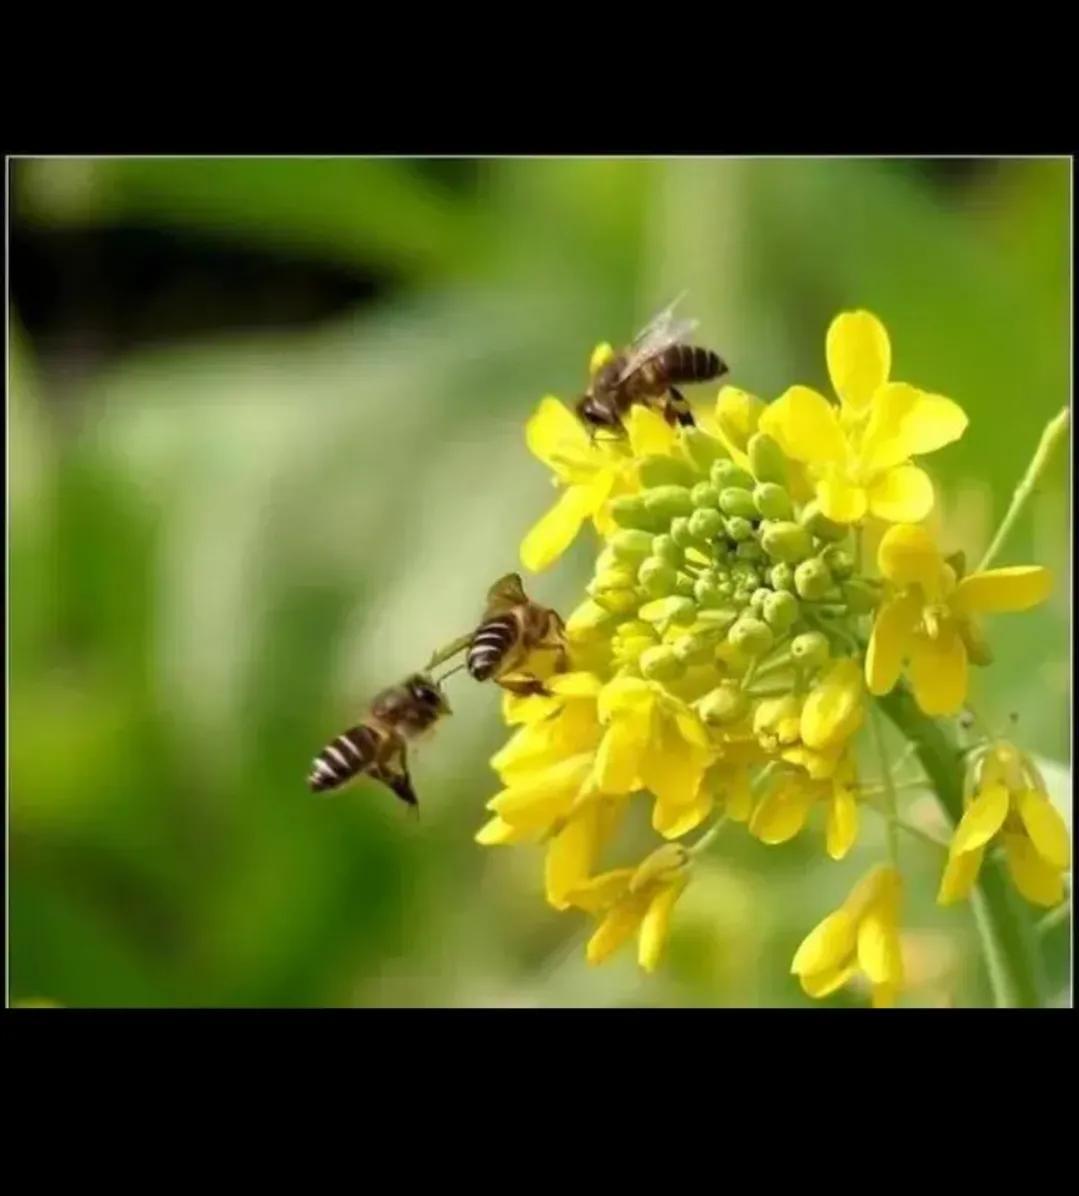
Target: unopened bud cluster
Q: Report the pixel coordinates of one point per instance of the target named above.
(715, 562)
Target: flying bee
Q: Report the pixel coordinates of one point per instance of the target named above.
(649, 372)
(511, 629)
(377, 746)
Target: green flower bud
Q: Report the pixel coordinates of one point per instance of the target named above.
(859, 596)
(735, 501)
(782, 577)
(725, 704)
(628, 511)
(839, 561)
(751, 636)
(683, 585)
(726, 473)
(749, 550)
(659, 470)
(661, 664)
(739, 528)
(725, 588)
(702, 449)
(622, 577)
(656, 577)
(616, 602)
(705, 495)
(667, 550)
(819, 524)
(787, 542)
(780, 610)
(811, 649)
(773, 501)
(694, 649)
(673, 609)
(705, 524)
(758, 598)
(631, 544)
(812, 579)
(721, 617)
(707, 592)
(666, 502)
(680, 532)
(766, 458)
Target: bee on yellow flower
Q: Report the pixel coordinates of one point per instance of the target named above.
(858, 455)
(1008, 804)
(862, 935)
(928, 622)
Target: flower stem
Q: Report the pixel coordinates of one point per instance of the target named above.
(889, 785)
(1055, 431)
(1007, 936)
(709, 835)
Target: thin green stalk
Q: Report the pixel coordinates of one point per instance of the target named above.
(709, 835)
(1054, 917)
(1007, 937)
(1055, 431)
(889, 786)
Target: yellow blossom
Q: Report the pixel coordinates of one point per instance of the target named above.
(654, 741)
(782, 811)
(859, 454)
(928, 622)
(862, 935)
(1010, 806)
(634, 901)
(591, 470)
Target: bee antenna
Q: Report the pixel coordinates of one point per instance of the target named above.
(455, 669)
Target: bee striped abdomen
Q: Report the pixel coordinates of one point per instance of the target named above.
(689, 363)
(341, 760)
(490, 645)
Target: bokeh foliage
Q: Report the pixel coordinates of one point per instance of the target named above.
(226, 532)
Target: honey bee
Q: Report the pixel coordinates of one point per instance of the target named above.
(377, 746)
(649, 372)
(511, 629)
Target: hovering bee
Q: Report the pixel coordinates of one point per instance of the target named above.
(376, 747)
(649, 372)
(512, 627)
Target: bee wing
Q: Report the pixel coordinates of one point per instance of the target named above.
(658, 337)
(660, 319)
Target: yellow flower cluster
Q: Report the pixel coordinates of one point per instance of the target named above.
(731, 639)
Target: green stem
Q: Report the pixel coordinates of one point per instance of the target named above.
(1055, 431)
(1007, 938)
(889, 787)
(709, 835)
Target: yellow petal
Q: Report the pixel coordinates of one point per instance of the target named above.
(571, 855)
(830, 944)
(907, 555)
(1046, 829)
(938, 672)
(626, 694)
(859, 356)
(890, 642)
(879, 954)
(554, 532)
(619, 924)
(842, 827)
(531, 709)
(674, 821)
(903, 494)
(599, 893)
(575, 685)
(496, 833)
(649, 432)
(558, 438)
(782, 812)
(805, 425)
(1039, 882)
(737, 417)
(655, 925)
(618, 761)
(907, 422)
(840, 500)
(823, 984)
(982, 819)
(536, 801)
(885, 995)
(1017, 588)
(833, 710)
(960, 873)
(672, 768)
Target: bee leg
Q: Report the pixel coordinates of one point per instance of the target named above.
(522, 685)
(678, 410)
(393, 773)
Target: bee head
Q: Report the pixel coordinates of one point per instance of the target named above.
(595, 413)
(427, 693)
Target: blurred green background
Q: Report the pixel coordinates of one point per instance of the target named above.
(266, 451)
